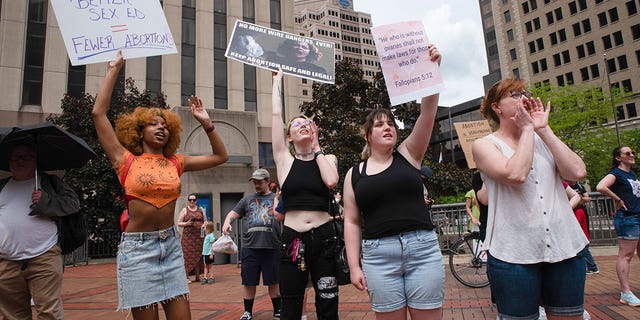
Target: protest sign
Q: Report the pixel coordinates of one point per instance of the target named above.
(468, 132)
(94, 30)
(404, 57)
(269, 48)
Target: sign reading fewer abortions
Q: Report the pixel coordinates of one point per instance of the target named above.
(94, 30)
(404, 57)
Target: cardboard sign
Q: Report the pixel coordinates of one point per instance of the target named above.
(94, 30)
(469, 132)
(404, 57)
(269, 48)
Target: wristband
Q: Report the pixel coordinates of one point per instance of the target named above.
(317, 153)
(210, 128)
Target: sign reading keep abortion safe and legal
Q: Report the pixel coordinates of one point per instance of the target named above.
(404, 57)
(94, 30)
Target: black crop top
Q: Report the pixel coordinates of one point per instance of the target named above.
(391, 201)
(304, 189)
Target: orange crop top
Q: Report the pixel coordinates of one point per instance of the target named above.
(151, 178)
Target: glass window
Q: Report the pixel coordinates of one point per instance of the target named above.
(576, 29)
(602, 19)
(528, 26)
(76, 80)
(631, 110)
(573, 8)
(549, 17)
(584, 73)
(249, 10)
(556, 60)
(543, 64)
(562, 34)
(516, 73)
(250, 91)
(34, 53)
(534, 67)
(631, 7)
(611, 65)
(569, 77)
(534, 4)
(507, 16)
(510, 34)
(540, 44)
(622, 62)
(514, 56)
(553, 38)
(626, 85)
(635, 31)
(580, 51)
(275, 14)
(595, 71)
(591, 47)
(606, 42)
(617, 38)
(525, 7)
(586, 25)
(560, 80)
(613, 14)
(536, 23)
(558, 13)
(566, 57)
(582, 4)
(532, 47)
(154, 74)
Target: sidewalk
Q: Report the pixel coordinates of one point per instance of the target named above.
(90, 292)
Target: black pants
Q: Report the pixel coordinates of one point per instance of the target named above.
(320, 263)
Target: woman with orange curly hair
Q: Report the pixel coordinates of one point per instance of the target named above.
(144, 143)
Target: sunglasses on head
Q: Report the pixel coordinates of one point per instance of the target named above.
(519, 94)
(296, 124)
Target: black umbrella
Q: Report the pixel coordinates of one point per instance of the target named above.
(56, 148)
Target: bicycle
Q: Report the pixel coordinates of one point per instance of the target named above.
(468, 263)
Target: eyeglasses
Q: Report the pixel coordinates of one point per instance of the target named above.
(192, 200)
(629, 153)
(23, 157)
(296, 124)
(519, 94)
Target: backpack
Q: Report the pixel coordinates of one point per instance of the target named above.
(72, 228)
(124, 216)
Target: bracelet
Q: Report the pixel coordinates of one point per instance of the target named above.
(317, 153)
(210, 128)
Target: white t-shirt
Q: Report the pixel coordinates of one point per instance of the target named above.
(23, 236)
(531, 222)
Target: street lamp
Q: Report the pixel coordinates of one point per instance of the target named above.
(613, 107)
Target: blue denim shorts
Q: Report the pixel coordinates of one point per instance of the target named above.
(404, 270)
(627, 228)
(518, 289)
(150, 268)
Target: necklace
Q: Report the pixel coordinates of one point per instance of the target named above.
(304, 154)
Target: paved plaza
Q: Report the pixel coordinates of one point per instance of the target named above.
(90, 292)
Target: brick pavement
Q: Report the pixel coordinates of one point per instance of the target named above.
(90, 292)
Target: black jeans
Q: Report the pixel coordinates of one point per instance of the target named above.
(319, 257)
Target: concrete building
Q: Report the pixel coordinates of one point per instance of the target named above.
(566, 42)
(35, 73)
(338, 22)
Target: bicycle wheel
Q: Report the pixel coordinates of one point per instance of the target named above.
(467, 263)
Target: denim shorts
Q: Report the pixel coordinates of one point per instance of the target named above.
(404, 270)
(150, 268)
(627, 228)
(518, 289)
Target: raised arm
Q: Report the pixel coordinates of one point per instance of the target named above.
(569, 164)
(281, 155)
(218, 150)
(415, 145)
(112, 147)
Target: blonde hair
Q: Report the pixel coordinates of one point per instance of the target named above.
(129, 129)
(208, 226)
(287, 131)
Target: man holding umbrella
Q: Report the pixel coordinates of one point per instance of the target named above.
(30, 258)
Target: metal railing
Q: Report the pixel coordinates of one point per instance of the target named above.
(451, 222)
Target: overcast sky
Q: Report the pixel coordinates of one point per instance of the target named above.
(455, 27)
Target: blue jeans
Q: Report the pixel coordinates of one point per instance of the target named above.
(588, 259)
(518, 289)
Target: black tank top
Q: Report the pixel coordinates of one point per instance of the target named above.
(304, 189)
(391, 201)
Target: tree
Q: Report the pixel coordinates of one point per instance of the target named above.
(96, 183)
(579, 116)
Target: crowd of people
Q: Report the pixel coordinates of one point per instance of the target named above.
(533, 223)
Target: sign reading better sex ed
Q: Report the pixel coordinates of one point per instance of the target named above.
(94, 30)
(404, 57)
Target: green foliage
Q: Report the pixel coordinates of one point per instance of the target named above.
(449, 183)
(96, 183)
(578, 117)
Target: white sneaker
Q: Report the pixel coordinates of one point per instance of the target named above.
(543, 314)
(586, 315)
(246, 316)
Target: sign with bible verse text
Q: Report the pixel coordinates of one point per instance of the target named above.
(468, 132)
(94, 30)
(404, 57)
(268, 48)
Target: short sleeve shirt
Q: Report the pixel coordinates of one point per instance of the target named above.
(260, 230)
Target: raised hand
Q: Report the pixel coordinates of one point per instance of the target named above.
(538, 112)
(198, 111)
(118, 62)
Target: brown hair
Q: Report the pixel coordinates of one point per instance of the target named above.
(129, 129)
(287, 131)
(499, 90)
(367, 127)
(208, 226)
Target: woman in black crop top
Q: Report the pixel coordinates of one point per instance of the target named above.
(401, 261)
(306, 175)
